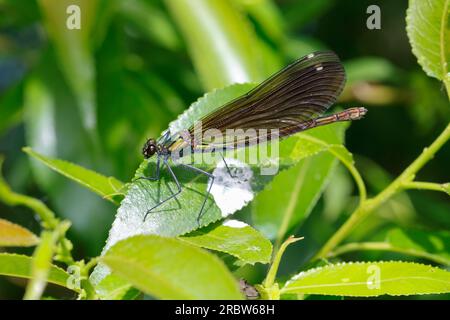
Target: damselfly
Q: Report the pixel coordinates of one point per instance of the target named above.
(290, 101)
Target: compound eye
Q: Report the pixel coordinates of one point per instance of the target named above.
(149, 149)
(152, 149)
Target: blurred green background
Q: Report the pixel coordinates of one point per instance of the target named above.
(93, 96)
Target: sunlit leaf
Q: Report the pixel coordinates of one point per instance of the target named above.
(16, 265)
(103, 186)
(235, 238)
(113, 287)
(427, 24)
(368, 279)
(171, 269)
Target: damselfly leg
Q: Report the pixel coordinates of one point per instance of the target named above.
(209, 175)
(154, 178)
(174, 177)
(226, 166)
(165, 162)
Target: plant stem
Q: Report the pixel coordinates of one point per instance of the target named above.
(42, 258)
(443, 187)
(269, 289)
(384, 246)
(356, 176)
(13, 199)
(270, 278)
(447, 85)
(368, 206)
(92, 263)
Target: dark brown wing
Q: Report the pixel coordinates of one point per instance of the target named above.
(302, 91)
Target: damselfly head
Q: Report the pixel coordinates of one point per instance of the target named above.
(149, 148)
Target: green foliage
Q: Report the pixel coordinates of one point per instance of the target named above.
(275, 211)
(365, 279)
(20, 266)
(93, 96)
(428, 31)
(112, 287)
(235, 238)
(149, 263)
(103, 186)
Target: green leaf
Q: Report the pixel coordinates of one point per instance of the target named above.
(103, 186)
(427, 24)
(13, 235)
(171, 269)
(16, 265)
(113, 287)
(369, 279)
(235, 238)
(220, 40)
